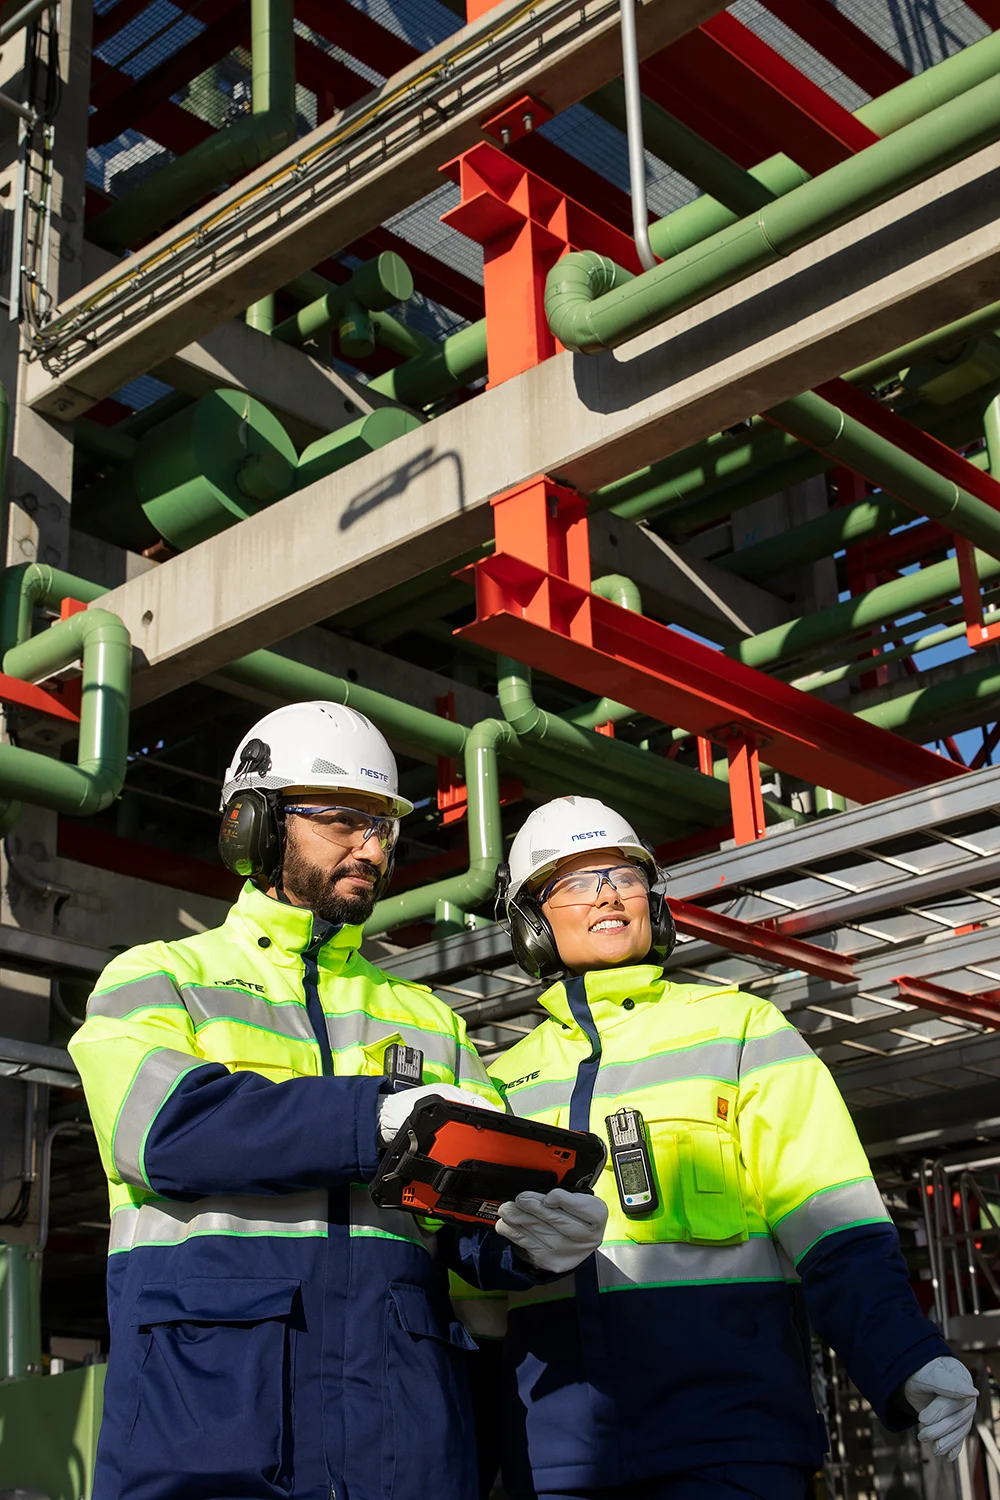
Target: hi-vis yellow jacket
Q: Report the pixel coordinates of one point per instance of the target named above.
(683, 1342)
(272, 1332)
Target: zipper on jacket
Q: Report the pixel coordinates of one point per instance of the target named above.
(322, 932)
(586, 1073)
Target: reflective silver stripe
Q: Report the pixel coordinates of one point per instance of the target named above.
(837, 1208)
(172, 1223)
(221, 1003)
(781, 1046)
(533, 1099)
(384, 1223)
(658, 1265)
(620, 1266)
(361, 1030)
(152, 992)
(155, 1079)
(717, 1059)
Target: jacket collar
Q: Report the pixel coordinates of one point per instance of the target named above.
(607, 990)
(290, 929)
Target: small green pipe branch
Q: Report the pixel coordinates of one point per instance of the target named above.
(168, 193)
(102, 641)
(376, 285)
(590, 307)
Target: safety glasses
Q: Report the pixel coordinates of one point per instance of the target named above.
(582, 887)
(348, 826)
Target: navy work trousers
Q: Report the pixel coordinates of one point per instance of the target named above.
(718, 1482)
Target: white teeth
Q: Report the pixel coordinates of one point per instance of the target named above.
(610, 924)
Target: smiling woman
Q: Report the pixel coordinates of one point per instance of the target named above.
(598, 912)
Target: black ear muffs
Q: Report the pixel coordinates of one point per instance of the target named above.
(252, 835)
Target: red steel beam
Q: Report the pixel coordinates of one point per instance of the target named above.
(760, 95)
(116, 114)
(112, 81)
(112, 21)
(986, 10)
(571, 177)
(948, 1002)
(745, 142)
(357, 34)
(318, 71)
(106, 851)
(759, 942)
(842, 43)
(42, 701)
(913, 440)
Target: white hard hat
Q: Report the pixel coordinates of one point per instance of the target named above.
(313, 747)
(566, 826)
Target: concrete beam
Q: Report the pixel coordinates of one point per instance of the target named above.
(374, 166)
(899, 271)
(309, 399)
(680, 588)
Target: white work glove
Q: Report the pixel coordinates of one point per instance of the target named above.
(944, 1394)
(395, 1108)
(555, 1231)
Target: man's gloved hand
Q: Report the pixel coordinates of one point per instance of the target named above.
(395, 1108)
(555, 1231)
(945, 1396)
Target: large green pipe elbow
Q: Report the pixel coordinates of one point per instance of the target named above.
(99, 774)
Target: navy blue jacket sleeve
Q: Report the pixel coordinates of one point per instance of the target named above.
(486, 1260)
(222, 1132)
(860, 1302)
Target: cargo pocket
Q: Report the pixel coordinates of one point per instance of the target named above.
(214, 1393)
(428, 1446)
(698, 1184)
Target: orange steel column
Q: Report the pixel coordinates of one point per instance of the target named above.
(745, 797)
(524, 225)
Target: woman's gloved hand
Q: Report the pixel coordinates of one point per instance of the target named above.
(945, 1396)
(395, 1108)
(555, 1231)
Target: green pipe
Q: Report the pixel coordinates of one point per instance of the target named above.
(843, 526)
(699, 797)
(887, 658)
(687, 152)
(4, 455)
(377, 284)
(620, 590)
(99, 774)
(455, 362)
(881, 605)
(20, 1311)
(482, 779)
(985, 320)
(593, 305)
(778, 175)
(26, 585)
(340, 448)
(260, 315)
(449, 920)
(938, 703)
(847, 441)
(293, 682)
(399, 337)
(168, 193)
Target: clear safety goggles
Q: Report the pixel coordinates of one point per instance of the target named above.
(582, 887)
(349, 826)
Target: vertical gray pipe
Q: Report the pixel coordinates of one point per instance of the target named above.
(636, 153)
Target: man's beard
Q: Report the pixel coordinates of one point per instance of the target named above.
(314, 887)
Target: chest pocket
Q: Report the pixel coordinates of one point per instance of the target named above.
(699, 1186)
